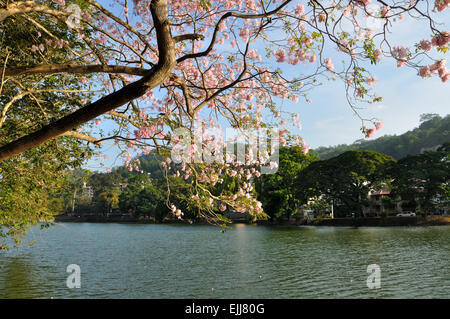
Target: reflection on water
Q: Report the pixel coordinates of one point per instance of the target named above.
(178, 261)
(17, 277)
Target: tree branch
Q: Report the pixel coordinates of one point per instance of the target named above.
(74, 68)
(157, 75)
(189, 36)
(80, 136)
(226, 16)
(22, 7)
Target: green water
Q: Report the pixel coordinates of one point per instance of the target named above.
(177, 261)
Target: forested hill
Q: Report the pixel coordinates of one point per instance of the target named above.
(433, 130)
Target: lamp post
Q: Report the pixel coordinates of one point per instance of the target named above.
(332, 211)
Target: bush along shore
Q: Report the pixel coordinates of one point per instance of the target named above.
(341, 222)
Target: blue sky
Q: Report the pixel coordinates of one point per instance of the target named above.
(330, 121)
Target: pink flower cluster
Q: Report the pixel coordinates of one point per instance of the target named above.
(439, 40)
(35, 48)
(385, 11)
(377, 54)
(299, 9)
(441, 5)
(244, 33)
(145, 132)
(322, 17)
(280, 55)
(425, 45)
(371, 80)
(400, 54)
(369, 132)
(439, 67)
(305, 149)
(378, 125)
(363, 2)
(328, 64)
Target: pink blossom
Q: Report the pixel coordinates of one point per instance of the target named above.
(369, 133)
(244, 33)
(222, 26)
(445, 78)
(425, 45)
(329, 64)
(441, 5)
(305, 149)
(439, 64)
(425, 71)
(399, 52)
(294, 60)
(442, 71)
(350, 81)
(371, 80)
(280, 55)
(378, 53)
(363, 2)
(378, 125)
(441, 39)
(385, 11)
(401, 63)
(347, 11)
(322, 17)
(299, 9)
(273, 165)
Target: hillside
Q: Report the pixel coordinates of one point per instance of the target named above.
(433, 131)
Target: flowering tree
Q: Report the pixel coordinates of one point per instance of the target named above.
(154, 66)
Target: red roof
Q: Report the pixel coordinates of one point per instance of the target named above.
(382, 192)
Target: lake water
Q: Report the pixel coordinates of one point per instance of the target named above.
(187, 261)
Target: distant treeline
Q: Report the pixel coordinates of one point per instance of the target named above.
(421, 180)
(418, 183)
(433, 131)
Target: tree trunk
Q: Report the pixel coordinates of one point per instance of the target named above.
(157, 75)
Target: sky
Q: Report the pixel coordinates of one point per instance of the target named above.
(329, 120)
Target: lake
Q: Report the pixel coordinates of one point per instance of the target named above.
(249, 261)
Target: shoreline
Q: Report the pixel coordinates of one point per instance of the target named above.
(346, 222)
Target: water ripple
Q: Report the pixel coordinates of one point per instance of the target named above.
(175, 261)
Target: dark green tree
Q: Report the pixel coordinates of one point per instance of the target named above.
(346, 179)
(423, 179)
(152, 202)
(277, 191)
(129, 199)
(29, 182)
